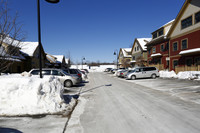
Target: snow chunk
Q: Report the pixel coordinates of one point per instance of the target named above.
(24, 95)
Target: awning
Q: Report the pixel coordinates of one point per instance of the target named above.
(133, 61)
(156, 55)
(190, 51)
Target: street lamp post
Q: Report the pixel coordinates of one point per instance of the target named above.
(39, 33)
(82, 61)
(116, 53)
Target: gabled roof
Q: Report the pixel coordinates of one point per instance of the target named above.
(164, 36)
(141, 42)
(28, 47)
(125, 52)
(178, 17)
(9, 40)
(51, 58)
(59, 58)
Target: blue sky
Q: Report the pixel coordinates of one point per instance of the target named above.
(93, 28)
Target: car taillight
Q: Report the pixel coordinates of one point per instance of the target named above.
(79, 74)
(121, 73)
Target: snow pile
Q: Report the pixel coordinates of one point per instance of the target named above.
(167, 74)
(181, 75)
(25, 95)
(189, 75)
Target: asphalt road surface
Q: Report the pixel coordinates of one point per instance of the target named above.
(117, 106)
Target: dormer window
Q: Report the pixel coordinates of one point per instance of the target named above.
(197, 17)
(186, 22)
(160, 33)
(154, 35)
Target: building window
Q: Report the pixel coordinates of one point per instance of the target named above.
(149, 51)
(162, 48)
(154, 35)
(197, 17)
(160, 33)
(133, 58)
(186, 22)
(175, 46)
(154, 50)
(197, 61)
(137, 48)
(175, 63)
(184, 44)
(189, 62)
(167, 46)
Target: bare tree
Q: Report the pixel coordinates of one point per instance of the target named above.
(125, 63)
(10, 37)
(140, 61)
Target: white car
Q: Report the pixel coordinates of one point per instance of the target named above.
(143, 72)
(65, 78)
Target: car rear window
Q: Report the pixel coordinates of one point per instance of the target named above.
(35, 72)
(56, 73)
(72, 71)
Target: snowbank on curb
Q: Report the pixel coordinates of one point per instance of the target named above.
(25, 95)
(181, 75)
(167, 74)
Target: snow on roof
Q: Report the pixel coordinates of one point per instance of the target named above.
(67, 60)
(155, 55)
(125, 52)
(28, 47)
(10, 41)
(143, 42)
(190, 51)
(168, 23)
(59, 58)
(51, 58)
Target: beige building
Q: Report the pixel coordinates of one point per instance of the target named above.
(139, 52)
(124, 57)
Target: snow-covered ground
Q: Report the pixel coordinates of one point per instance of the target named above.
(100, 68)
(23, 94)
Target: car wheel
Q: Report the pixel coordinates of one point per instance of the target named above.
(133, 77)
(68, 83)
(153, 76)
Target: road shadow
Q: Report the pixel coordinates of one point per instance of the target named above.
(9, 130)
(95, 88)
(67, 98)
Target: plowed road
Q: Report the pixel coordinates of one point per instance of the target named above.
(112, 105)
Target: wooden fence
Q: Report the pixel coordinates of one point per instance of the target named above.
(187, 68)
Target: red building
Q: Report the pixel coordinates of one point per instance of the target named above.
(184, 35)
(158, 47)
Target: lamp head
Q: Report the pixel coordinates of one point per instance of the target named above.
(53, 1)
(114, 53)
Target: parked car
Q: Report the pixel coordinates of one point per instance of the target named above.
(65, 78)
(119, 72)
(107, 69)
(85, 70)
(143, 72)
(83, 74)
(113, 70)
(72, 71)
(124, 74)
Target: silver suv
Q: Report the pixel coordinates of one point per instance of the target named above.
(66, 79)
(143, 72)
